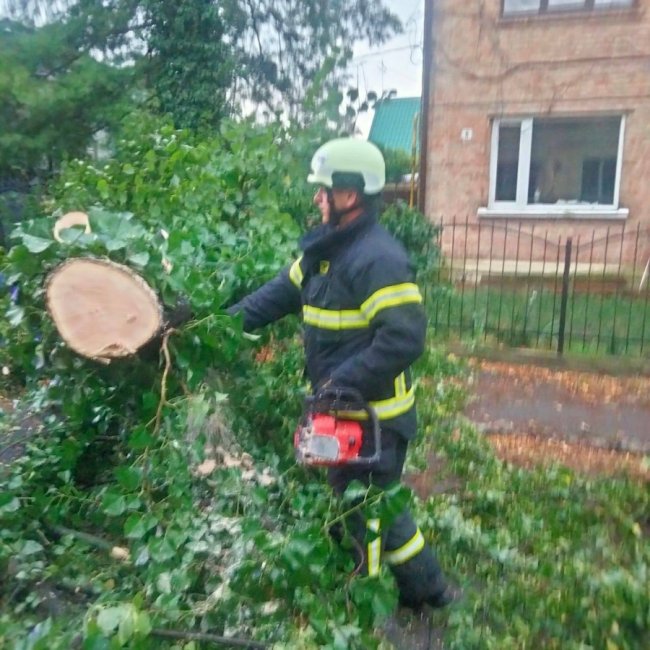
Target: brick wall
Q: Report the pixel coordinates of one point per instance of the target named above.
(486, 67)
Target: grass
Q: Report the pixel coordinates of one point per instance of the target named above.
(615, 323)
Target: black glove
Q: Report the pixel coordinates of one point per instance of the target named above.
(180, 314)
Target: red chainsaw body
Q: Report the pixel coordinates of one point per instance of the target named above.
(327, 440)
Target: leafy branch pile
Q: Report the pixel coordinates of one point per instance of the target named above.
(162, 496)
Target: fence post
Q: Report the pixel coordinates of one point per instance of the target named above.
(565, 295)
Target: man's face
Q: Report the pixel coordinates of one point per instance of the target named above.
(322, 203)
(342, 202)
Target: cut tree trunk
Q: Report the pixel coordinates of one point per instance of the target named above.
(102, 310)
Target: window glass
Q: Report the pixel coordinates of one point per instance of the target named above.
(537, 6)
(517, 6)
(566, 4)
(574, 160)
(507, 163)
(613, 3)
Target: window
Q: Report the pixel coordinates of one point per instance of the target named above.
(552, 165)
(514, 7)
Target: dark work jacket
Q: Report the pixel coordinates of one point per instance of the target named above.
(364, 324)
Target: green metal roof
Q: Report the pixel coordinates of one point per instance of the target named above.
(392, 124)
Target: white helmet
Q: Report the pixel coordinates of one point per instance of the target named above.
(345, 162)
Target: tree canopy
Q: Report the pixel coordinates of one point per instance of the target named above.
(201, 60)
(54, 97)
(70, 68)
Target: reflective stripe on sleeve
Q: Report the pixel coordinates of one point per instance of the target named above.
(345, 319)
(330, 319)
(391, 296)
(407, 551)
(295, 273)
(374, 548)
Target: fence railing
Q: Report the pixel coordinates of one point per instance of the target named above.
(567, 289)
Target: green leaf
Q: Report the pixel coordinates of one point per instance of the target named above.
(115, 244)
(128, 477)
(383, 603)
(140, 439)
(142, 626)
(9, 503)
(15, 315)
(126, 627)
(356, 491)
(161, 549)
(139, 259)
(109, 618)
(94, 640)
(36, 244)
(30, 547)
(164, 582)
(113, 504)
(102, 188)
(24, 261)
(137, 526)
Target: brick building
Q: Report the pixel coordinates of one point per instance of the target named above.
(538, 114)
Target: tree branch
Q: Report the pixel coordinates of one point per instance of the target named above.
(209, 638)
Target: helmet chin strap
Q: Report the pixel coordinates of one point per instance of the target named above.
(336, 215)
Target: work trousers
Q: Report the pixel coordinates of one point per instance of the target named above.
(402, 545)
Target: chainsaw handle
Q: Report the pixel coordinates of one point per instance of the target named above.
(376, 433)
(351, 399)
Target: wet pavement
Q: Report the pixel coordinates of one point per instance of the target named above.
(590, 409)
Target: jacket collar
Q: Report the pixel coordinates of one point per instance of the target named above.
(325, 240)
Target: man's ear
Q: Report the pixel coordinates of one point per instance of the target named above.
(354, 198)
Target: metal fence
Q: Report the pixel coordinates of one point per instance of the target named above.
(565, 289)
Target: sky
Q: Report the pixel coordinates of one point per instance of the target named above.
(396, 64)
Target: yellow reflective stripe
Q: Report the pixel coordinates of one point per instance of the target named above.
(391, 296)
(330, 319)
(385, 408)
(374, 548)
(295, 273)
(400, 385)
(344, 319)
(394, 406)
(407, 551)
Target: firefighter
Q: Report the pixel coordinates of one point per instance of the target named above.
(364, 325)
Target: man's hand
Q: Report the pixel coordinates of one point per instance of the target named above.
(180, 314)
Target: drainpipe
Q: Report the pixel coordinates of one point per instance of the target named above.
(426, 100)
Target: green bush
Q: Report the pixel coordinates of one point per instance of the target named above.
(418, 235)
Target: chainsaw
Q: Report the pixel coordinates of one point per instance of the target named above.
(327, 433)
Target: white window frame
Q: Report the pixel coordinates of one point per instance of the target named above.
(520, 206)
(587, 7)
